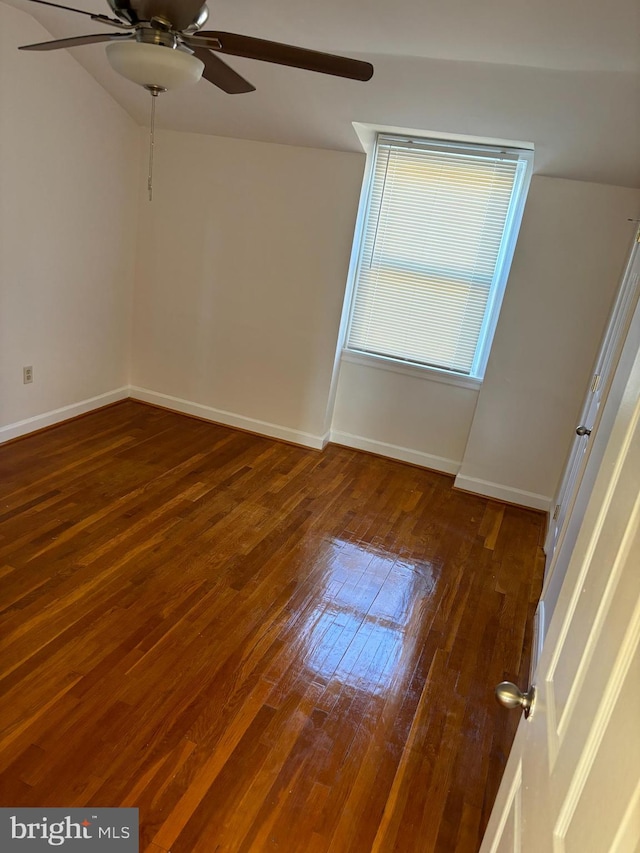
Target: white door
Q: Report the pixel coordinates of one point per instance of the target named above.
(572, 782)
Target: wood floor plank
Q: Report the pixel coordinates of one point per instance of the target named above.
(261, 647)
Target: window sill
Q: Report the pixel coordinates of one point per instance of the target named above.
(380, 362)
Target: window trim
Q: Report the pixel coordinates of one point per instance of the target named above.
(523, 153)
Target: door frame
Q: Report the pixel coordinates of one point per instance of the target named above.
(583, 461)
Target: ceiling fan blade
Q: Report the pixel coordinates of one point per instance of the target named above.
(219, 73)
(102, 18)
(77, 41)
(286, 54)
(180, 13)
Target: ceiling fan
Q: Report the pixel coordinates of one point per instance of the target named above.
(163, 46)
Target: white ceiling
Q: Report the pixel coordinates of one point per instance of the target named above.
(565, 76)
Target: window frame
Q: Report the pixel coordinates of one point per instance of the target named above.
(514, 150)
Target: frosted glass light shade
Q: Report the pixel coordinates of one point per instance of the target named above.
(154, 64)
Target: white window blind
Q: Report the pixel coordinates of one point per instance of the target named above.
(432, 251)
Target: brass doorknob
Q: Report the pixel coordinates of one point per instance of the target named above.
(510, 695)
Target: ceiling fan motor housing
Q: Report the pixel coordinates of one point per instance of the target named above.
(184, 17)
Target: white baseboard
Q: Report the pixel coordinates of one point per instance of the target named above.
(219, 416)
(502, 493)
(55, 416)
(393, 451)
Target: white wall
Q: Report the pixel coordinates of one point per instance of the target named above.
(68, 212)
(512, 445)
(573, 245)
(242, 263)
(403, 416)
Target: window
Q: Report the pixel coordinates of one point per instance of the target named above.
(439, 232)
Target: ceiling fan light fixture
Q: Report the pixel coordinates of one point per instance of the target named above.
(154, 65)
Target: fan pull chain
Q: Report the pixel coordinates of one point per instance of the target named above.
(152, 129)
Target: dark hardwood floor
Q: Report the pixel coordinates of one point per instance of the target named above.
(260, 646)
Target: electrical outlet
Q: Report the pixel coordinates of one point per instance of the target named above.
(27, 374)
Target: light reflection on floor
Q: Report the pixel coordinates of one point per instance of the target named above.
(359, 631)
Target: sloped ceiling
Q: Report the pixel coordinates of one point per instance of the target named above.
(564, 76)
